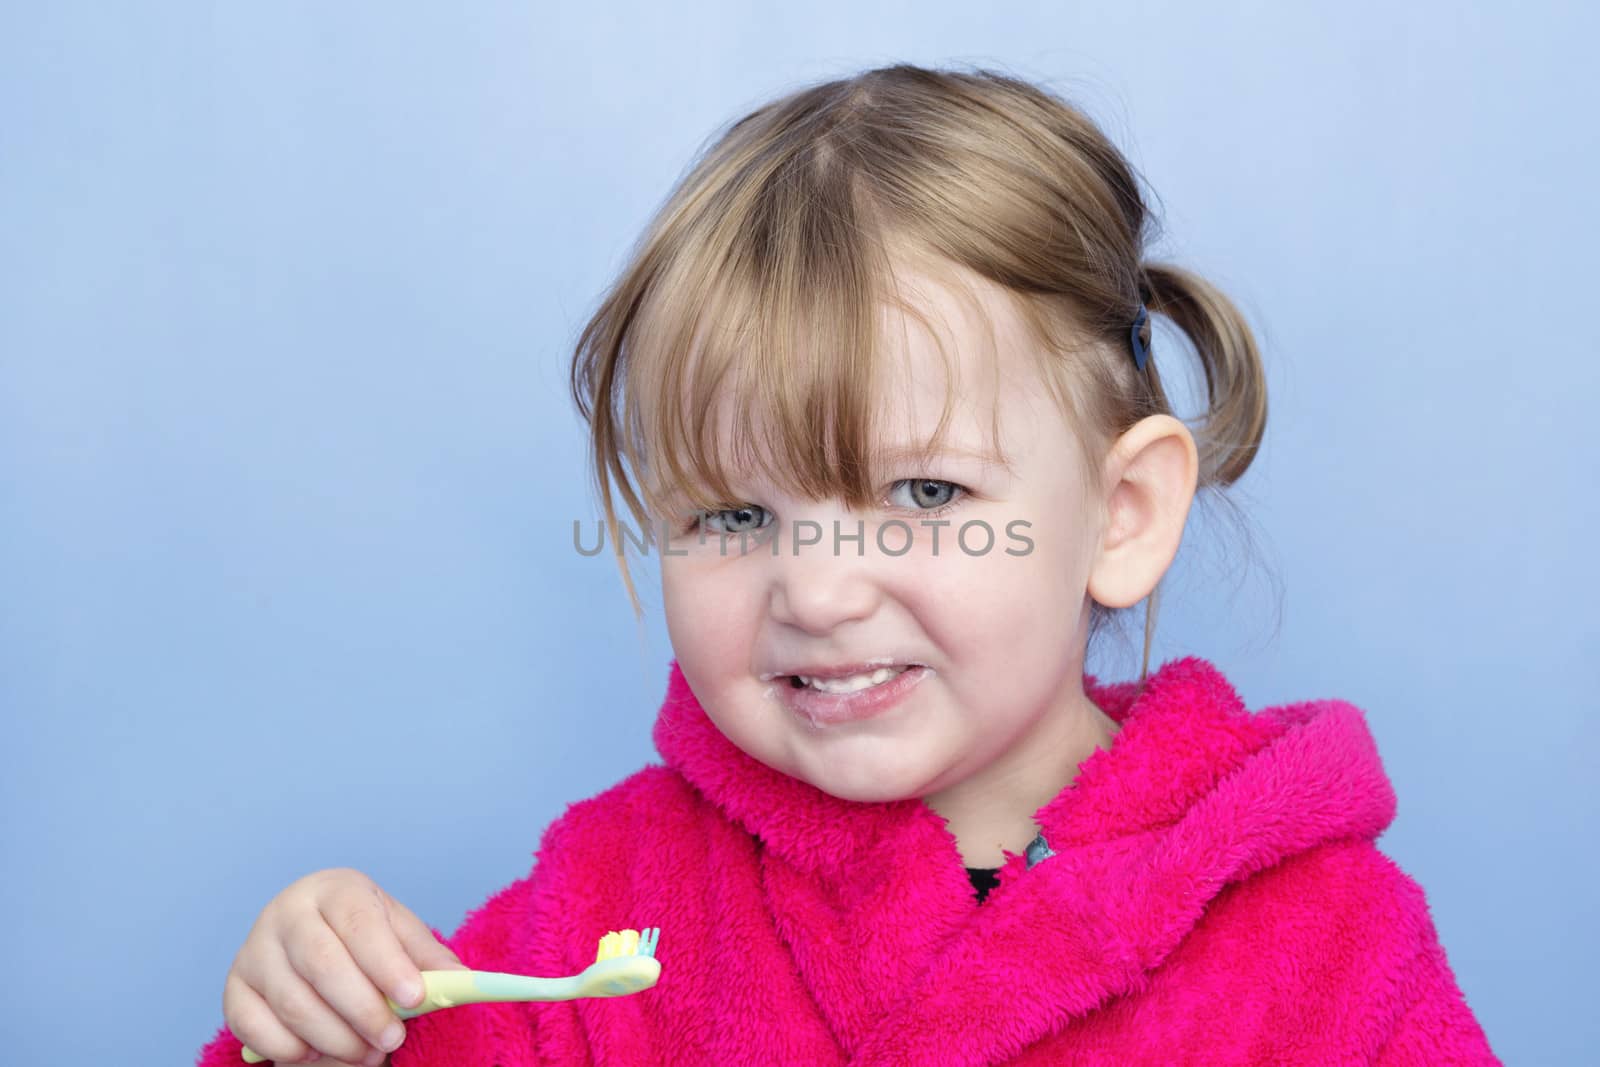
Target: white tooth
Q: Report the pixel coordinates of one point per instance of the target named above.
(854, 683)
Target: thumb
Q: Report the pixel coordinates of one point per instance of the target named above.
(426, 949)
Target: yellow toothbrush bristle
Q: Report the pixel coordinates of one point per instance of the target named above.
(618, 943)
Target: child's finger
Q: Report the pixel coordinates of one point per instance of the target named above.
(325, 997)
(365, 921)
(424, 949)
(251, 1019)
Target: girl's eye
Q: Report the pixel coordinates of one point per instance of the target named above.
(929, 494)
(735, 520)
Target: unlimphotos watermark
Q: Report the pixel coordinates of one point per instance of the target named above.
(895, 537)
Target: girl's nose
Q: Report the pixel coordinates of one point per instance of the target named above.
(818, 587)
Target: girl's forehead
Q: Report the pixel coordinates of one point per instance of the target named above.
(942, 364)
(954, 389)
(905, 429)
(906, 401)
(920, 363)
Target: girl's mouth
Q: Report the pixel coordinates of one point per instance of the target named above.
(831, 701)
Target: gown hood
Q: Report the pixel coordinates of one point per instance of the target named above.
(1193, 794)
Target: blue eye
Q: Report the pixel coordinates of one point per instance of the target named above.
(741, 517)
(930, 495)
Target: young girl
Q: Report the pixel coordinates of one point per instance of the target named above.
(877, 385)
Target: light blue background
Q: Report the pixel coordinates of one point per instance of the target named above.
(288, 466)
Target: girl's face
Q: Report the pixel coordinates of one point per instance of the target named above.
(998, 622)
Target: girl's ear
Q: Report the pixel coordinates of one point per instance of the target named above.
(1150, 477)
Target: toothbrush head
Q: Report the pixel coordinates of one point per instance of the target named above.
(628, 943)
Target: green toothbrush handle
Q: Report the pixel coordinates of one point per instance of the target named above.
(614, 976)
(447, 989)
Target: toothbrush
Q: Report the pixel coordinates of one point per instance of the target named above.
(625, 963)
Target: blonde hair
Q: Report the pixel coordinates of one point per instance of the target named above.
(761, 277)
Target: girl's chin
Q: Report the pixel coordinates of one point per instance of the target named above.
(866, 788)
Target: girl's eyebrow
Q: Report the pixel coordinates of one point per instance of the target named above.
(907, 452)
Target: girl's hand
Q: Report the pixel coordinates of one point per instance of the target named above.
(311, 978)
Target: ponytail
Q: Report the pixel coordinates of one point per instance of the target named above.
(1236, 381)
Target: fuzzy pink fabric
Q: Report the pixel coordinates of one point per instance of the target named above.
(1215, 897)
